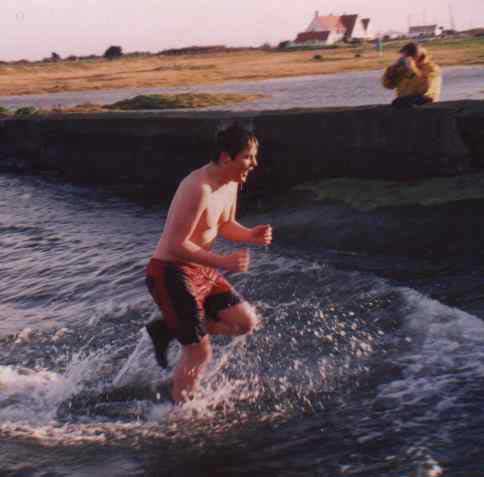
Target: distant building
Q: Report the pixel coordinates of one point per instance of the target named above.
(424, 31)
(327, 30)
(474, 32)
(392, 35)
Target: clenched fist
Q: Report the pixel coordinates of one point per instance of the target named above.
(261, 235)
(237, 262)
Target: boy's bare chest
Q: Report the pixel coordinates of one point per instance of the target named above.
(218, 209)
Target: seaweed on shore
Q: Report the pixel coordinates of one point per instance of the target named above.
(179, 101)
(142, 103)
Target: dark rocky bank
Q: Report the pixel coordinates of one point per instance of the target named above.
(148, 153)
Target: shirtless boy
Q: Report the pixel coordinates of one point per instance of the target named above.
(195, 299)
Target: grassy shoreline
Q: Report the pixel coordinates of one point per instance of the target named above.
(152, 102)
(159, 71)
(371, 194)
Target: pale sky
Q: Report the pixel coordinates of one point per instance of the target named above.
(33, 29)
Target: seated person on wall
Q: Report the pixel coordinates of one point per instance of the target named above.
(416, 78)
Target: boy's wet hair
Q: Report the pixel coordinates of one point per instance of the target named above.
(233, 139)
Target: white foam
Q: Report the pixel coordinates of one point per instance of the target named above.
(436, 320)
(303, 349)
(53, 434)
(140, 365)
(25, 336)
(27, 394)
(446, 355)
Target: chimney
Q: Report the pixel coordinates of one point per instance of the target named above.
(316, 14)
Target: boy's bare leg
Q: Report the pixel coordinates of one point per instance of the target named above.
(234, 321)
(193, 362)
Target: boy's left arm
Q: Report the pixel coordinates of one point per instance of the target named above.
(259, 235)
(232, 230)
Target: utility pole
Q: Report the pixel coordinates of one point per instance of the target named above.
(451, 18)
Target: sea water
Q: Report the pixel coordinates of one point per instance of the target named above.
(351, 373)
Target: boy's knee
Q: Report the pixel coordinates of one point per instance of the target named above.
(250, 323)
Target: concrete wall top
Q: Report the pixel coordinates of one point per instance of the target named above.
(156, 149)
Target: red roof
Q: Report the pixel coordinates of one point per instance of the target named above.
(312, 36)
(345, 23)
(321, 26)
(330, 23)
(349, 22)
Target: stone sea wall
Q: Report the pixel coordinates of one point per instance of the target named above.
(152, 151)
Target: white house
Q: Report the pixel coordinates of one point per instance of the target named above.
(392, 34)
(423, 31)
(327, 30)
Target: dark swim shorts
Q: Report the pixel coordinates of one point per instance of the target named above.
(188, 295)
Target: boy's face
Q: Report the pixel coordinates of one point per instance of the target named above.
(244, 162)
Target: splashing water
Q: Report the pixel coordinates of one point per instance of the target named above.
(348, 374)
